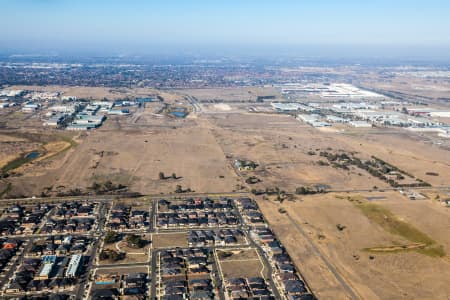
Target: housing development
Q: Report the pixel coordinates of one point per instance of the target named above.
(150, 248)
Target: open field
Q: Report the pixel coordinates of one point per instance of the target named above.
(279, 144)
(237, 254)
(240, 263)
(135, 157)
(397, 274)
(429, 88)
(392, 224)
(249, 268)
(164, 240)
(405, 150)
(133, 150)
(133, 154)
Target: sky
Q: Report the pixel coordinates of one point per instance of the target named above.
(151, 26)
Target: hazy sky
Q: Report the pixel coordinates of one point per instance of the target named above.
(138, 26)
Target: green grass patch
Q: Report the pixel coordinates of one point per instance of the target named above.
(14, 164)
(23, 159)
(386, 219)
(392, 224)
(68, 139)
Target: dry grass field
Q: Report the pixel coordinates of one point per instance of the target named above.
(135, 157)
(240, 263)
(279, 144)
(131, 152)
(164, 240)
(235, 269)
(403, 274)
(414, 86)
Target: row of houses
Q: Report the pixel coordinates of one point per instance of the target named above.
(195, 204)
(123, 217)
(68, 210)
(8, 249)
(196, 219)
(72, 225)
(60, 245)
(19, 219)
(249, 211)
(286, 274)
(194, 267)
(113, 286)
(195, 289)
(222, 237)
(247, 288)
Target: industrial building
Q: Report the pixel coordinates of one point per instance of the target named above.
(73, 266)
(360, 124)
(287, 107)
(30, 107)
(55, 120)
(119, 112)
(313, 120)
(48, 261)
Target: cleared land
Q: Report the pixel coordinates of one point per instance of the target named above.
(164, 240)
(364, 271)
(240, 263)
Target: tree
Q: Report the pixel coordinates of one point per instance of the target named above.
(95, 186)
(134, 240)
(111, 237)
(178, 189)
(162, 176)
(111, 255)
(174, 176)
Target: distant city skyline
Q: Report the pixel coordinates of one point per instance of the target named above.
(322, 27)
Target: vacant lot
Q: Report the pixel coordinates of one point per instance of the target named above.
(405, 150)
(164, 240)
(391, 223)
(132, 153)
(237, 254)
(280, 145)
(335, 230)
(135, 158)
(249, 268)
(240, 263)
